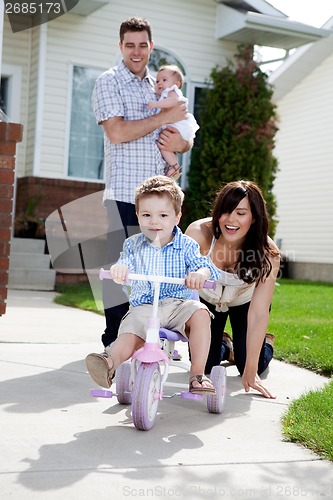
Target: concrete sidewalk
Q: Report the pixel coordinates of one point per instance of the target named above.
(57, 442)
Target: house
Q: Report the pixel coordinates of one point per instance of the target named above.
(304, 148)
(48, 72)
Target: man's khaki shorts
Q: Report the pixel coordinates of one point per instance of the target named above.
(173, 314)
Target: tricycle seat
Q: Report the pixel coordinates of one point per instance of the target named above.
(170, 335)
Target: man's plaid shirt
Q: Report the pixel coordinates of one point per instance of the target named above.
(118, 92)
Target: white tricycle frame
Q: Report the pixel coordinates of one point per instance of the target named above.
(141, 381)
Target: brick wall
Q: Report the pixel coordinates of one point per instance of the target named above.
(10, 135)
(52, 193)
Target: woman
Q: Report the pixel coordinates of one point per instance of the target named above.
(236, 239)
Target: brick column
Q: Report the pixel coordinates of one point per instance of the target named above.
(10, 135)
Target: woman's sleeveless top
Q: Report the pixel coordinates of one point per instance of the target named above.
(227, 296)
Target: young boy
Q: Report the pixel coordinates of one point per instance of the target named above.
(160, 249)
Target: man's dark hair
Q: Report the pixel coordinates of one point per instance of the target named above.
(135, 24)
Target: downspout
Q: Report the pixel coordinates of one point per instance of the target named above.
(40, 99)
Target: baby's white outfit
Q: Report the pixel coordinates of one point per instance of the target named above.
(187, 127)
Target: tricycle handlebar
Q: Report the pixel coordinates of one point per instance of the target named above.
(105, 274)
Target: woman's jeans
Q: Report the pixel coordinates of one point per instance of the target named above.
(220, 351)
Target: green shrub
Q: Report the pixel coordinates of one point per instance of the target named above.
(236, 137)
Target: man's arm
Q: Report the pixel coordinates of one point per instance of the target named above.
(119, 130)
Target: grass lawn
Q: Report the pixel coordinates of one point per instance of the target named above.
(79, 296)
(309, 421)
(301, 319)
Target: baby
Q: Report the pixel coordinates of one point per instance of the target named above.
(169, 81)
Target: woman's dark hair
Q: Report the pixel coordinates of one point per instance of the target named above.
(253, 262)
(135, 24)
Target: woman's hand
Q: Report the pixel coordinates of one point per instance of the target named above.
(254, 381)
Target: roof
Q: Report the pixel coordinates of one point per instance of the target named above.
(301, 63)
(259, 6)
(259, 23)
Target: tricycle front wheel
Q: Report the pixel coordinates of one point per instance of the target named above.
(146, 395)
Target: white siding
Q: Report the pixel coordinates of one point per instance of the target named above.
(16, 51)
(30, 130)
(304, 184)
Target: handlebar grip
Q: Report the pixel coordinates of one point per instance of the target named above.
(210, 284)
(104, 274)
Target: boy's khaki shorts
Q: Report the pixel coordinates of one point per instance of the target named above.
(173, 314)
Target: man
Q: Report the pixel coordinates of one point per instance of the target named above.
(131, 153)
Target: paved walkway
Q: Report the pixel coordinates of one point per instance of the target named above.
(59, 443)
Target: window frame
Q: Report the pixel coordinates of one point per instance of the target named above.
(13, 74)
(99, 71)
(191, 88)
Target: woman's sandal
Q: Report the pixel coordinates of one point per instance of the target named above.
(173, 171)
(201, 390)
(99, 369)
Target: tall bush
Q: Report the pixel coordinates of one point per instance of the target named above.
(236, 138)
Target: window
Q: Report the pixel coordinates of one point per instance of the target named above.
(4, 95)
(10, 92)
(86, 157)
(199, 94)
(196, 91)
(160, 57)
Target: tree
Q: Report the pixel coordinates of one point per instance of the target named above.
(236, 138)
